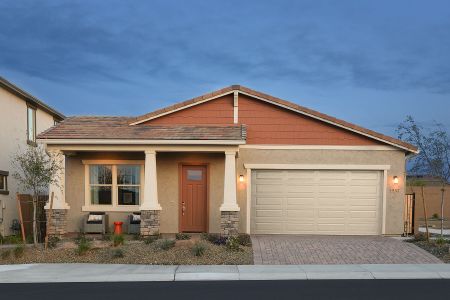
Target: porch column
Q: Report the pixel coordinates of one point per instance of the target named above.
(150, 208)
(58, 222)
(229, 210)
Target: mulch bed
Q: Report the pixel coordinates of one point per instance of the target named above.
(440, 251)
(134, 252)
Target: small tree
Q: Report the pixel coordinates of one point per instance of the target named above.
(434, 156)
(35, 170)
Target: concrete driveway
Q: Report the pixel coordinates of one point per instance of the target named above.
(310, 249)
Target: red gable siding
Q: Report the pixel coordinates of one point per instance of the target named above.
(266, 123)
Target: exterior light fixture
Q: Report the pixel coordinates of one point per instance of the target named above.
(241, 178)
(395, 180)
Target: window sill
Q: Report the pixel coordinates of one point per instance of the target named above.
(122, 208)
(4, 192)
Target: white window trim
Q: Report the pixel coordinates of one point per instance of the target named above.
(114, 207)
(33, 124)
(4, 188)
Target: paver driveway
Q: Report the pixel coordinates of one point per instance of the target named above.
(307, 249)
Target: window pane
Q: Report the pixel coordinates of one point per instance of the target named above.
(2, 183)
(194, 175)
(101, 195)
(128, 174)
(31, 123)
(100, 174)
(128, 195)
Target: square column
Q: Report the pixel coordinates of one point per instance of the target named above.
(229, 210)
(150, 207)
(58, 223)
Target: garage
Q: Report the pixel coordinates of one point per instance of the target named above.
(334, 202)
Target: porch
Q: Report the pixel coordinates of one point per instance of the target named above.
(185, 188)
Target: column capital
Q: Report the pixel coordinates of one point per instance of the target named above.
(150, 151)
(228, 152)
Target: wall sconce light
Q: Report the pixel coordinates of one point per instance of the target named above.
(395, 180)
(241, 178)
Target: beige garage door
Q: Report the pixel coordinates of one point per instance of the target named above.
(316, 202)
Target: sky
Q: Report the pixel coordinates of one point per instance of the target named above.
(367, 62)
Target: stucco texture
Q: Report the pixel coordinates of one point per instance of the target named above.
(168, 181)
(13, 136)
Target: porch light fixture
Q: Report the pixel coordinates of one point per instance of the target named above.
(241, 178)
(395, 180)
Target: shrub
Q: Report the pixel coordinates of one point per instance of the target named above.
(117, 239)
(165, 244)
(53, 241)
(150, 239)
(420, 237)
(12, 239)
(182, 236)
(435, 216)
(19, 250)
(5, 254)
(440, 241)
(244, 239)
(1, 238)
(117, 253)
(83, 246)
(107, 237)
(232, 243)
(215, 238)
(199, 248)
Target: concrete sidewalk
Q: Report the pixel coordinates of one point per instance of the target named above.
(39, 273)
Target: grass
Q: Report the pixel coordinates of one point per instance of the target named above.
(83, 245)
(19, 250)
(118, 239)
(199, 248)
(164, 244)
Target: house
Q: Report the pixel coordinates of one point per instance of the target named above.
(432, 187)
(22, 116)
(234, 160)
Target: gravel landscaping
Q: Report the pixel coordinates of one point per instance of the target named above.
(182, 252)
(439, 248)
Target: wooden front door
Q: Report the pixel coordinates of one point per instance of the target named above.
(193, 204)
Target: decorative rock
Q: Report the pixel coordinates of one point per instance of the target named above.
(150, 221)
(229, 223)
(58, 225)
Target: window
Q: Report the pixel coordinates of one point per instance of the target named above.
(4, 182)
(128, 184)
(100, 184)
(112, 186)
(31, 124)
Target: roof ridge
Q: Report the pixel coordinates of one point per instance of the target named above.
(289, 104)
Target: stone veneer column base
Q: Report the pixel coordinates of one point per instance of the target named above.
(150, 221)
(229, 223)
(58, 226)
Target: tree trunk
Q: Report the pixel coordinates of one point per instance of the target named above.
(35, 241)
(442, 210)
(425, 213)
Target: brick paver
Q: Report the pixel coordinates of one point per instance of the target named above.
(307, 249)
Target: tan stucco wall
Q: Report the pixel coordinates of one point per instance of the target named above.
(394, 200)
(167, 169)
(13, 124)
(168, 191)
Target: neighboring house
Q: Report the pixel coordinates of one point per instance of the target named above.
(22, 116)
(432, 192)
(231, 160)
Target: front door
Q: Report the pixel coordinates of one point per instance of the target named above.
(193, 204)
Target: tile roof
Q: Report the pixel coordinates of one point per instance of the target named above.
(301, 109)
(90, 127)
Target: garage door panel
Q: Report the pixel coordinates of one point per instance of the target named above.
(316, 202)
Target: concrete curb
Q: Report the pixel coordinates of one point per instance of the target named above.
(41, 273)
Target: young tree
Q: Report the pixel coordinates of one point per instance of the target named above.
(434, 156)
(35, 170)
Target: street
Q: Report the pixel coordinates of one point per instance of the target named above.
(303, 289)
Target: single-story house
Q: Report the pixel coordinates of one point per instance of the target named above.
(234, 160)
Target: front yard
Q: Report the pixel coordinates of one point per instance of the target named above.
(438, 247)
(208, 250)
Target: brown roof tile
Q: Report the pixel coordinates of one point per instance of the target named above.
(118, 128)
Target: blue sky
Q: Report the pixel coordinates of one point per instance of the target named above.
(368, 62)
